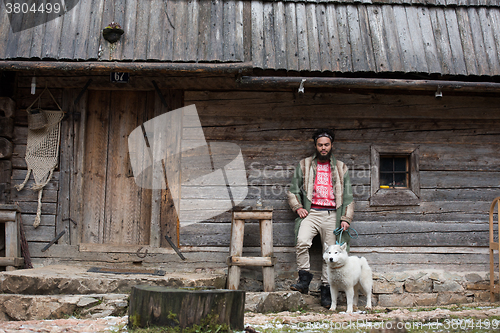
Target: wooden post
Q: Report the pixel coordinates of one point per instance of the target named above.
(12, 245)
(266, 246)
(494, 246)
(236, 250)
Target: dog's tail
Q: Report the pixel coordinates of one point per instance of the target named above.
(364, 265)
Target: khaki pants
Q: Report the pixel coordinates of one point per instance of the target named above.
(320, 222)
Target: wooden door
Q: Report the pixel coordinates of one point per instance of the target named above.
(115, 210)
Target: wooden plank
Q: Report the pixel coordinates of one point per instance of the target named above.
(442, 41)
(405, 42)
(345, 61)
(229, 29)
(242, 30)
(11, 261)
(464, 27)
(204, 30)
(323, 38)
(302, 38)
(40, 34)
(415, 35)
(180, 31)
(216, 30)
(106, 51)
(129, 25)
(495, 26)
(361, 50)
(25, 37)
(430, 48)
(477, 38)
(457, 51)
(333, 37)
(95, 30)
(267, 250)
(193, 10)
(391, 38)
(375, 20)
(312, 38)
(95, 174)
(78, 165)
(4, 30)
(69, 32)
(50, 46)
(236, 250)
(142, 21)
(269, 36)
(366, 36)
(66, 167)
(280, 35)
(119, 17)
(258, 34)
(28, 207)
(154, 39)
(490, 45)
(251, 261)
(291, 47)
(82, 36)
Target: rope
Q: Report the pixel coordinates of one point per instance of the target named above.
(338, 232)
(42, 152)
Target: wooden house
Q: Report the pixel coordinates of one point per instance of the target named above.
(416, 81)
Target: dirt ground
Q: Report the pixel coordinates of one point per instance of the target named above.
(483, 314)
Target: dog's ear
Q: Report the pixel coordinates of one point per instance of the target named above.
(343, 247)
(326, 246)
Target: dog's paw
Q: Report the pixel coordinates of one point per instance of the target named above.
(333, 308)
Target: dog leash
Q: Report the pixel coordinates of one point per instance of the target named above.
(338, 232)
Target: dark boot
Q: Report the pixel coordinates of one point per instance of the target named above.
(326, 297)
(303, 284)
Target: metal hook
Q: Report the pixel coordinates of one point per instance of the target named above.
(301, 87)
(438, 93)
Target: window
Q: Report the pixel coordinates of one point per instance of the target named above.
(394, 171)
(395, 177)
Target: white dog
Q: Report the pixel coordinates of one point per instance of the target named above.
(347, 274)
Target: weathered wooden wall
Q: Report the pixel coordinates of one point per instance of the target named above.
(458, 141)
(459, 151)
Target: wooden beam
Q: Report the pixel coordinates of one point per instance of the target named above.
(251, 261)
(11, 261)
(136, 67)
(289, 82)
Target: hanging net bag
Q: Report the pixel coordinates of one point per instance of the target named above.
(42, 150)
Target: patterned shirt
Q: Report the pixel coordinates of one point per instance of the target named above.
(323, 190)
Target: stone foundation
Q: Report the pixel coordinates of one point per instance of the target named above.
(406, 289)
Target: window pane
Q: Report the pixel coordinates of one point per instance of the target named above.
(386, 179)
(400, 180)
(400, 164)
(386, 164)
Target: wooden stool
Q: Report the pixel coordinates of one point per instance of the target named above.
(494, 246)
(9, 216)
(267, 259)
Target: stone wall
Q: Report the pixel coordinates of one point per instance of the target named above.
(430, 288)
(409, 288)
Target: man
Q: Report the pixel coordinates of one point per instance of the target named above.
(321, 194)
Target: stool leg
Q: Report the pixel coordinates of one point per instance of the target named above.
(236, 250)
(11, 242)
(266, 246)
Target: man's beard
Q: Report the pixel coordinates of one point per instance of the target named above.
(324, 158)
